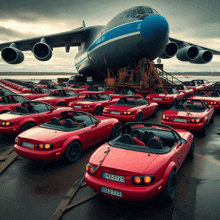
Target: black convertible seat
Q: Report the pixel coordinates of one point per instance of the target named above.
(69, 124)
(147, 136)
(126, 139)
(4, 100)
(214, 94)
(56, 121)
(23, 110)
(121, 101)
(201, 93)
(154, 143)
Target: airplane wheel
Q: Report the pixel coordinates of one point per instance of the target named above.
(73, 152)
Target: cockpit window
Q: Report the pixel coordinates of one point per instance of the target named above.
(139, 13)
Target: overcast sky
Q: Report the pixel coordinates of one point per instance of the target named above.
(195, 21)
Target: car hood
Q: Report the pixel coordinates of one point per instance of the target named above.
(39, 134)
(123, 159)
(7, 116)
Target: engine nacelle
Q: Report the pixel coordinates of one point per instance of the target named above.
(169, 51)
(205, 56)
(188, 53)
(12, 55)
(42, 51)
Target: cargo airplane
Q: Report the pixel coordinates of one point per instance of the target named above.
(133, 34)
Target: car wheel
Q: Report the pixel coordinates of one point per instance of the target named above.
(156, 112)
(169, 190)
(27, 126)
(98, 111)
(139, 117)
(190, 154)
(73, 152)
(115, 131)
(204, 130)
(61, 104)
(212, 118)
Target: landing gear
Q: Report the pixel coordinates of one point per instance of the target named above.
(81, 78)
(97, 77)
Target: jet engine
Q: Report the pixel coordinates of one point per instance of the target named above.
(187, 53)
(42, 51)
(12, 55)
(204, 56)
(169, 51)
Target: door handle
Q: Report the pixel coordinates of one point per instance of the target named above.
(179, 153)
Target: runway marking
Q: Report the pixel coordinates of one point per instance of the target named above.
(205, 158)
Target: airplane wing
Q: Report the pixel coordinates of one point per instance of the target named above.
(179, 42)
(71, 38)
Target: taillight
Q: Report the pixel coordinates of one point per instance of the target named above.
(45, 146)
(17, 140)
(90, 169)
(166, 98)
(143, 179)
(213, 103)
(86, 106)
(127, 113)
(195, 120)
(6, 123)
(167, 118)
(147, 97)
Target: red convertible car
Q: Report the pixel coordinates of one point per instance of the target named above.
(131, 108)
(93, 103)
(27, 116)
(194, 85)
(10, 102)
(210, 97)
(65, 137)
(140, 163)
(122, 92)
(165, 96)
(60, 97)
(36, 93)
(202, 82)
(182, 88)
(189, 114)
(96, 89)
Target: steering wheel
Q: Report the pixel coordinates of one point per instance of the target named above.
(136, 133)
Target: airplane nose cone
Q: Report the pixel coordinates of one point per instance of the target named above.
(154, 28)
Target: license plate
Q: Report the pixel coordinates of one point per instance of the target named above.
(77, 106)
(25, 144)
(112, 177)
(180, 120)
(114, 113)
(157, 98)
(111, 191)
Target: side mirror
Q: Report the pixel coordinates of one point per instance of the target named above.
(96, 123)
(183, 141)
(51, 110)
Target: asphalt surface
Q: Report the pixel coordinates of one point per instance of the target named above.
(31, 190)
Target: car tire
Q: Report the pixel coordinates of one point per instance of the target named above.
(73, 152)
(204, 130)
(115, 131)
(169, 191)
(98, 111)
(61, 104)
(190, 154)
(26, 126)
(139, 117)
(212, 119)
(156, 112)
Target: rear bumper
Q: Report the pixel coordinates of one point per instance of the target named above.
(129, 193)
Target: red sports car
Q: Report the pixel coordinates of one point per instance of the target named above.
(131, 108)
(182, 88)
(60, 97)
(93, 103)
(204, 83)
(96, 89)
(165, 96)
(194, 85)
(66, 137)
(28, 115)
(10, 102)
(210, 97)
(140, 163)
(189, 114)
(37, 93)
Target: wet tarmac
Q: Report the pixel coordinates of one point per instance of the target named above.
(31, 190)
